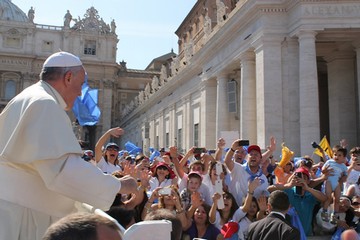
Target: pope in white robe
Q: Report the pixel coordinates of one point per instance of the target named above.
(42, 174)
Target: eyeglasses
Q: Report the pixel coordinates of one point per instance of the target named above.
(355, 204)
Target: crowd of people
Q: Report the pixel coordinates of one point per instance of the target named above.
(238, 191)
(219, 202)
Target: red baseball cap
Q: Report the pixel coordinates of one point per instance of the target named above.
(254, 147)
(304, 171)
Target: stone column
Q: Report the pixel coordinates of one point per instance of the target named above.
(269, 95)
(106, 104)
(207, 112)
(187, 120)
(161, 130)
(152, 132)
(308, 91)
(342, 97)
(172, 130)
(248, 97)
(221, 104)
(291, 109)
(357, 50)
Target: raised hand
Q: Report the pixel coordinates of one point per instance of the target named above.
(116, 132)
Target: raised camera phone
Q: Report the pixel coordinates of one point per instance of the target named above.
(165, 191)
(243, 142)
(212, 151)
(199, 150)
(298, 189)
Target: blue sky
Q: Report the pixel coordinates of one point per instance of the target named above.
(145, 28)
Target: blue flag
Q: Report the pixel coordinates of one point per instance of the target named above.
(132, 148)
(85, 107)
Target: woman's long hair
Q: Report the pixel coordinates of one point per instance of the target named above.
(234, 206)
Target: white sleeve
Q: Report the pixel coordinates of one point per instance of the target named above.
(238, 215)
(79, 180)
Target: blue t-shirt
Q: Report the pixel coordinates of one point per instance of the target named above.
(304, 206)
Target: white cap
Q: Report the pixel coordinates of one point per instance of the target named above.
(62, 59)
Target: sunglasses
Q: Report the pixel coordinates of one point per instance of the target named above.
(355, 204)
(112, 149)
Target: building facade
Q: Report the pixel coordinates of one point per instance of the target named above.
(254, 69)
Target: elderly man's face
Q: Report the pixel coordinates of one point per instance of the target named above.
(74, 81)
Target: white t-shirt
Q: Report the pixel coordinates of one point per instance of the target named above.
(244, 223)
(351, 179)
(238, 186)
(154, 183)
(107, 167)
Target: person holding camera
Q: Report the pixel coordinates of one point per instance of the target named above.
(353, 169)
(240, 175)
(302, 197)
(168, 198)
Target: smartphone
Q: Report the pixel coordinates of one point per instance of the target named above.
(165, 191)
(298, 189)
(211, 151)
(199, 150)
(244, 143)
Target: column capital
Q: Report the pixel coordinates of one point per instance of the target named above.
(247, 56)
(268, 40)
(221, 76)
(306, 34)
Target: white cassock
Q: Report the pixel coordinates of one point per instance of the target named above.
(42, 174)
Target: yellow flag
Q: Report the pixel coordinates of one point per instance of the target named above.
(286, 155)
(324, 144)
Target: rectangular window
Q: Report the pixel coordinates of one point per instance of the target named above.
(179, 140)
(167, 140)
(90, 47)
(196, 134)
(13, 42)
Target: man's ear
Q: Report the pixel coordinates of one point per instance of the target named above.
(67, 77)
(269, 207)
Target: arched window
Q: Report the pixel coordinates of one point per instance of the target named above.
(10, 89)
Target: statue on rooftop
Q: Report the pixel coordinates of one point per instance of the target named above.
(67, 19)
(113, 26)
(31, 15)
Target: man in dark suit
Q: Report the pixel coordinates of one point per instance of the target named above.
(274, 226)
